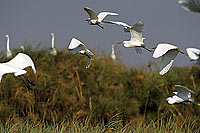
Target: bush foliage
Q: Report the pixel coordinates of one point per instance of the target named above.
(63, 89)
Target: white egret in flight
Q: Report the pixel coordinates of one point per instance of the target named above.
(168, 53)
(136, 40)
(8, 52)
(16, 65)
(53, 49)
(190, 5)
(183, 95)
(77, 46)
(194, 54)
(97, 19)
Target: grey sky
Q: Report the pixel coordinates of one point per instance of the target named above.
(164, 21)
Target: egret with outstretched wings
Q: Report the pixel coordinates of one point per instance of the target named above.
(77, 46)
(97, 19)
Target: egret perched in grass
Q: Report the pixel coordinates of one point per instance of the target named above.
(168, 53)
(16, 65)
(8, 52)
(77, 46)
(194, 54)
(113, 56)
(53, 49)
(97, 19)
(183, 95)
(22, 48)
(136, 40)
(190, 5)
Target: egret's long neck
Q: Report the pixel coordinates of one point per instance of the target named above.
(52, 41)
(8, 48)
(113, 50)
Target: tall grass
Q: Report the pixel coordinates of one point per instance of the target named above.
(63, 89)
(161, 126)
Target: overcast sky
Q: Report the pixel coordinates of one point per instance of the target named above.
(164, 21)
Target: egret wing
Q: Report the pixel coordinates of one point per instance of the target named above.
(4, 69)
(193, 53)
(102, 15)
(76, 46)
(21, 61)
(138, 26)
(136, 31)
(162, 49)
(118, 23)
(167, 61)
(183, 89)
(135, 36)
(190, 5)
(91, 13)
(183, 96)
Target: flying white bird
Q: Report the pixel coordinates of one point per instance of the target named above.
(194, 54)
(97, 19)
(168, 53)
(183, 95)
(16, 65)
(113, 56)
(77, 46)
(53, 49)
(8, 52)
(127, 27)
(190, 5)
(136, 38)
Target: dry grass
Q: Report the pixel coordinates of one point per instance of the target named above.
(63, 90)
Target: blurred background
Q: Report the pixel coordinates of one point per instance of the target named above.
(164, 21)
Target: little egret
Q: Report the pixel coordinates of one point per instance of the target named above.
(8, 52)
(97, 19)
(16, 65)
(136, 38)
(113, 56)
(22, 48)
(77, 46)
(168, 53)
(194, 54)
(183, 95)
(53, 49)
(190, 5)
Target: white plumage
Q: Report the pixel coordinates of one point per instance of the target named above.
(113, 56)
(16, 65)
(77, 46)
(8, 52)
(53, 49)
(136, 39)
(126, 26)
(194, 54)
(190, 5)
(96, 19)
(168, 53)
(183, 95)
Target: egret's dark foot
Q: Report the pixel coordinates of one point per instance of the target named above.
(100, 26)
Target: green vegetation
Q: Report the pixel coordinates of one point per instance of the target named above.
(64, 96)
